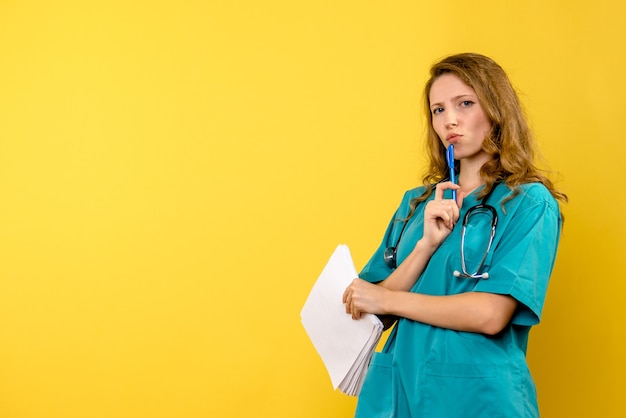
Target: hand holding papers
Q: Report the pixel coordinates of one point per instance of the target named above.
(345, 345)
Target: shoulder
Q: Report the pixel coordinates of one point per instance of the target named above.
(536, 193)
(414, 193)
(408, 198)
(531, 195)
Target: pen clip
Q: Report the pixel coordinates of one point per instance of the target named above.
(450, 157)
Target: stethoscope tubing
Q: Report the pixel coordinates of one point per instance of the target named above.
(390, 253)
(494, 222)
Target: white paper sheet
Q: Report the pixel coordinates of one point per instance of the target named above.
(345, 345)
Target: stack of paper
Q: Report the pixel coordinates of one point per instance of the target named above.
(345, 345)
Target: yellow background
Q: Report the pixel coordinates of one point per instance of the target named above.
(174, 175)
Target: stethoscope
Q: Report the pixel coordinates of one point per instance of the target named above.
(390, 254)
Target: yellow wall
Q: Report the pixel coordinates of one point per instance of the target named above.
(173, 176)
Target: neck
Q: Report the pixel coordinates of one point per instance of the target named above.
(468, 185)
(469, 177)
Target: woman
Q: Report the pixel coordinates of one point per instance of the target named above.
(465, 300)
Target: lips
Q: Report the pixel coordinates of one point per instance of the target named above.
(452, 138)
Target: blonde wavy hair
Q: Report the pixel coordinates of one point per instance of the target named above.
(510, 142)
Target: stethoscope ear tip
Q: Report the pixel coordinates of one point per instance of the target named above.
(456, 273)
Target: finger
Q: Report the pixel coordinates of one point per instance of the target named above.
(442, 187)
(348, 291)
(448, 218)
(459, 199)
(355, 313)
(440, 210)
(456, 211)
(439, 191)
(448, 213)
(443, 209)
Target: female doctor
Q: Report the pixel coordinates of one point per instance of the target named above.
(466, 277)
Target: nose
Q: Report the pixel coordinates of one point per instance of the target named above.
(451, 120)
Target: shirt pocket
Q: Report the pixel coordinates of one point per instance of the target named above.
(375, 398)
(465, 390)
(476, 241)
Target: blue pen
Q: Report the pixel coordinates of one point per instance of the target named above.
(450, 159)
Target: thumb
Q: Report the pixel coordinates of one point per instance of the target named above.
(459, 199)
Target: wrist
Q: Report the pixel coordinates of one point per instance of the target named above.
(425, 247)
(389, 302)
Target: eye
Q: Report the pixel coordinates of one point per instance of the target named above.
(466, 103)
(437, 110)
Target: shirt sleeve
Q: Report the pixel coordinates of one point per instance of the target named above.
(376, 270)
(524, 258)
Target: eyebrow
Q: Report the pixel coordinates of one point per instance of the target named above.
(461, 96)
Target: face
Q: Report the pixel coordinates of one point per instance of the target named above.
(458, 118)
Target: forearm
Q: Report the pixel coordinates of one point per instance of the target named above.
(471, 312)
(407, 273)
